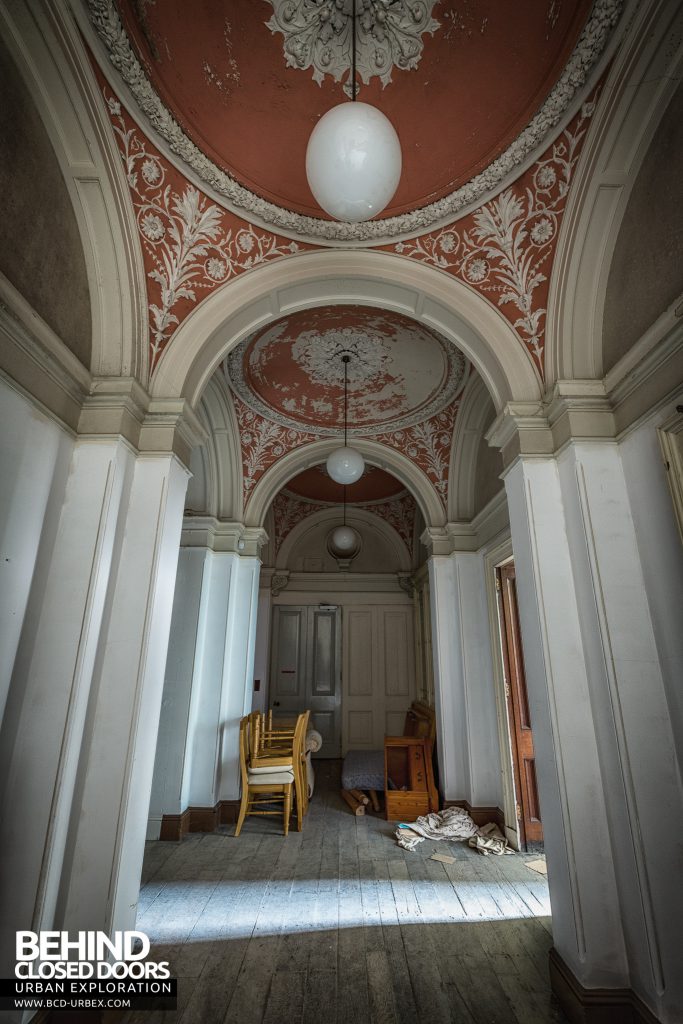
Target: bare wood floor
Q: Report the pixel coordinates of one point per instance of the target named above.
(337, 923)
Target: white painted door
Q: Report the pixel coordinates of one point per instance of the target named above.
(378, 674)
(305, 669)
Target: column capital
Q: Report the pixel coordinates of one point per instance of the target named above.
(120, 406)
(579, 410)
(571, 410)
(221, 535)
(444, 540)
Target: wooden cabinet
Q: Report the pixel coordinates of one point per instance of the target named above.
(409, 789)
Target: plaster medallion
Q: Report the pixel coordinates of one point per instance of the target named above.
(320, 36)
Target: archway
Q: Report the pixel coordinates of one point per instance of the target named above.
(349, 277)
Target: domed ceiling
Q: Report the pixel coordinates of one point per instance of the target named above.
(316, 485)
(248, 81)
(399, 372)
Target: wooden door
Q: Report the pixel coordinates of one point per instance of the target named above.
(378, 674)
(519, 719)
(323, 677)
(305, 669)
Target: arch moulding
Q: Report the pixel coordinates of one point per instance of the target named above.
(361, 518)
(646, 71)
(350, 277)
(412, 478)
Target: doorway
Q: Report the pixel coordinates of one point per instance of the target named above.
(527, 806)
(306, 668)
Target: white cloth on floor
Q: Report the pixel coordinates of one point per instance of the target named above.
(453, 823)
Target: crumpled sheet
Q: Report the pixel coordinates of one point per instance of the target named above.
(453, 823)
(314, 742)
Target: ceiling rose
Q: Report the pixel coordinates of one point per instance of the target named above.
(400, 372)
(319, 36)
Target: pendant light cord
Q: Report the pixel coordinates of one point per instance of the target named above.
(353, 53)
(345, 361)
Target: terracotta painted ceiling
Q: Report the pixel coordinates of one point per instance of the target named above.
(399, 373)
(482, 74)
(316, 485)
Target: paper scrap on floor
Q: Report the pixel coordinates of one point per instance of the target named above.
(443, 858)
(453, 823)
(538, 865)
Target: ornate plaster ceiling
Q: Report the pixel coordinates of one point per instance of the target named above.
(317, 486)
(485, 89)
(399, 373)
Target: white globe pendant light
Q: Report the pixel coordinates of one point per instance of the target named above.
(353, 162)
(353, 159)
(344, 540)
(345, 465)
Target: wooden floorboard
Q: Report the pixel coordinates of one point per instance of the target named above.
(338, 923)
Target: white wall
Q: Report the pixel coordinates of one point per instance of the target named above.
(208, 684)
(468, 746)
(34, 464)
(661, 554)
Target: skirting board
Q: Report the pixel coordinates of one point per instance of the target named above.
(480, 815)
(595, 1005)
(198, 819)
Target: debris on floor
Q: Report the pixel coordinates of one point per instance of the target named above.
(443, 858)
(538, 865)
(453, 823)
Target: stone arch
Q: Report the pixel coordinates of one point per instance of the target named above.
(275, 478)
(358, 277)
(357, 517)
(66, 94)
(641, 82)
(474, 415)
(220, 454)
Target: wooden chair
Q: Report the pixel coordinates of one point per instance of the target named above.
(288, 753)
(263, 785)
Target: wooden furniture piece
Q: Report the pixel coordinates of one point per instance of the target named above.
(364, 771)
(263, 786)
(409, 790)
(285, 748)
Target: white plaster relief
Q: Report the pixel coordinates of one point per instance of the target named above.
(597, 31)
(184, 234)
(320, 36)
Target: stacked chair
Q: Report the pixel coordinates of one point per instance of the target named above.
(273, 769)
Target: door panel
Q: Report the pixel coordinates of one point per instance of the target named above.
(288, 666)
(378, 674)
(305, 669)
(323, 676)
(396, 667)
(322, 655)
(358, 652)
(519, 719)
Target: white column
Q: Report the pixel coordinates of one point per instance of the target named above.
(211, 685)
(101, 876)
(35, 454)
(46, 712)
(587, 928)
(468, 749)
(170, 761)
(449, 689)
(200, 785)
(640, 773)
(238, 670)
(476, 668)
(262, 652)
